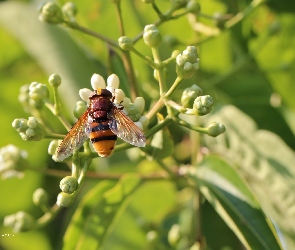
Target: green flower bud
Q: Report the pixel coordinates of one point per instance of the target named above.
(13, 161)
(80, 109)
(24, 97)
(151, 35)
(40, 197)
(69, 9)
(20, 222)
(54, 80)
(189, 95)
(38, 93)
(193, 6)
(64, 199)
(174, 235)
(203, 104)
(125, 43)
(139, 102)
(51, 13)
(144, 121)
(69, 184)
(187, 63)
(178, 4)
(215, 129)
(152, 237)
(133, 112)
(126, 102)
(30, 130)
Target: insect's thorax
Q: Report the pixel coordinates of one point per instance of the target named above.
(100, 107)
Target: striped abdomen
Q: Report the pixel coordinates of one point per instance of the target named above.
(102, 138)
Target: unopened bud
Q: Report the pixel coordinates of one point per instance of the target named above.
(69, 184)
(54, 80)
(215, 129)
(64, 199)
(125, 43)
(151, 35)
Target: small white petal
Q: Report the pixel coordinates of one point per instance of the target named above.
(113, 81)
(84, 94)
(119, 95)
(97, 82)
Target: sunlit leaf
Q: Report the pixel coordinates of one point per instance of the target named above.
(234, 202)
(266, 163)
(51, 46)
(93, 220)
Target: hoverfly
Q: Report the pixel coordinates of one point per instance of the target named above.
(102, 122)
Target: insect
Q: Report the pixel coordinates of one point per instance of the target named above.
(102, 122)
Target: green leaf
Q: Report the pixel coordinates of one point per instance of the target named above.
(51, 46)
(265, 161)
(234, 202)
(96, 215)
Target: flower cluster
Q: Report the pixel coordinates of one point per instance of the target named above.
(133, 110)
(33, 95)
(187, 63)
(19, 222)
(29, 130)
(12, 161)
(54, 14)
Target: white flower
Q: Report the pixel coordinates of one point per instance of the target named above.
(97, 82)
(84, 94)
(119, 95)
(113, 81)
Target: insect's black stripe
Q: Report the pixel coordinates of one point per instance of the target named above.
(101, 119)
(100, 127)
(104, 138)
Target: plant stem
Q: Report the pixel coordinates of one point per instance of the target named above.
(145, 58)
(47, 217)
(160, 71)
(54, 136)
(119, 17)
(191, 126)
(156, 108)
(95, 34)
(176, 83)
(62, 119)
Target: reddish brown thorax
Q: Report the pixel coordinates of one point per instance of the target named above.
(100, 103)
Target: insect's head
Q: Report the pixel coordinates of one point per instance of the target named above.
(101, 93)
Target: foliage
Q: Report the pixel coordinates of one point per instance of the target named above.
(191, 70)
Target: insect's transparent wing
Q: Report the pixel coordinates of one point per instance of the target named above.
(124, 128)
(75, 138)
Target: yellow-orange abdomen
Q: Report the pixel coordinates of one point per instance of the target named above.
(102, 138)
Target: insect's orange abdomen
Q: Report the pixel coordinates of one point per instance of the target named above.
(102, 138)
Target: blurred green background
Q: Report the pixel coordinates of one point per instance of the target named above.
(251, 66)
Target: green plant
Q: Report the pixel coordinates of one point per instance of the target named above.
(182, 162)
